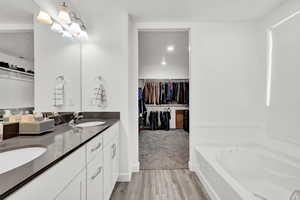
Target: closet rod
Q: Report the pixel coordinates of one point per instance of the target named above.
(165, 80)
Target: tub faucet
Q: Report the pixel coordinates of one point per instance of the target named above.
(295, 195)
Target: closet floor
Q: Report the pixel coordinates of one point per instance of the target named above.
(163, 149)
(161, 185)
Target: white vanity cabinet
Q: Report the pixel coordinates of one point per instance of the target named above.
(111, 160)
(76, 190)
(89, 173)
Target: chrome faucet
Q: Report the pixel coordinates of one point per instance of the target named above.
(76, 118)
(295, 195)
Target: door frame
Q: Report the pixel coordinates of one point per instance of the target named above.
(165, 27)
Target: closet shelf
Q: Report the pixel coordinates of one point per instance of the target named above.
(16, 71)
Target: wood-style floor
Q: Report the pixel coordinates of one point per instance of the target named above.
(161, 185)
(163, 149)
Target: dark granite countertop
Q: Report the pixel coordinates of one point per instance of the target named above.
(59, 143)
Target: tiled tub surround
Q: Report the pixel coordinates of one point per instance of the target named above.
(247, 173)
(60, 143)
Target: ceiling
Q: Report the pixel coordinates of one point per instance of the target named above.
(199, 10)
(10, 44)
(16, 11)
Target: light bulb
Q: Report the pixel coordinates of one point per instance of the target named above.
(67, 35)
(44, 17)
(83, 35)
(57, 28)
(170, 48)
(64, 16)
(75, 28)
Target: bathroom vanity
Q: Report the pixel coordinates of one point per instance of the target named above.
(80, 163)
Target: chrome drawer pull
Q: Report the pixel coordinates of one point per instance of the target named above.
(95, 148)
(99, 169)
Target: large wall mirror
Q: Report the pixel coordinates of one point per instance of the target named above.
(17, 64)
(33, 57)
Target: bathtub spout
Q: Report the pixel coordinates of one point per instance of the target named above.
(295, 195)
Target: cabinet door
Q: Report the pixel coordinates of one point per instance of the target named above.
(107, 170)
(95, 173)
(115, 161)
(75, 190)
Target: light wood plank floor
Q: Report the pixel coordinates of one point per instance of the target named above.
(161, 185)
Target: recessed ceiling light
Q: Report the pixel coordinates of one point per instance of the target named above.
(163, 62)
(170, 48)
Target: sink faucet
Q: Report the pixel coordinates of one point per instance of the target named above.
(76, 118)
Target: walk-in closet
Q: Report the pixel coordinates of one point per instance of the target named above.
(163, 96)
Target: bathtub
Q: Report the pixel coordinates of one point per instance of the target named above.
(247, 173)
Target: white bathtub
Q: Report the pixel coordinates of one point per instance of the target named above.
(247, 173)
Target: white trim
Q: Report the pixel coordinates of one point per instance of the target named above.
(227, 125)
(124, 177)
(209, 189)
(163, 26)
(285, 19)
(136, 167)
(16, 27)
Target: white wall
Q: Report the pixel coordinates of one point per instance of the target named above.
(152, 50)
(282, 115)
(106, 55)
(133, 91)
(227, 81)
(17, 91)
(56, 56)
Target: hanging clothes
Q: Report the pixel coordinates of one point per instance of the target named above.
(141, 101)
(159, 120)
(166, 93)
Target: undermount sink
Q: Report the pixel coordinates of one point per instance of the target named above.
(15, 158)
(90, 124)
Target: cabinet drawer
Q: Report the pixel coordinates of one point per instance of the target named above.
(95, 176)
(94, 147)
(110, 133)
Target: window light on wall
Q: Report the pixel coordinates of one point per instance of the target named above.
(270, 54)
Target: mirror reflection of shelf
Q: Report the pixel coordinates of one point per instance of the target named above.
(16, 71)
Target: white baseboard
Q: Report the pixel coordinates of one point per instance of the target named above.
(136, 167)
(209, 189)
(124, 177)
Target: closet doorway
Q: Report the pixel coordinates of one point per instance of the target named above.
(163, 99)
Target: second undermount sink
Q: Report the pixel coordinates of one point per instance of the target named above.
(15, 158)
(90, 124)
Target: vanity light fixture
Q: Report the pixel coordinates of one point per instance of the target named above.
(170, 48)
(63, 14)
(83, 33)
(75, 28)
(57, 28)
(44, 17)
(67, 35)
